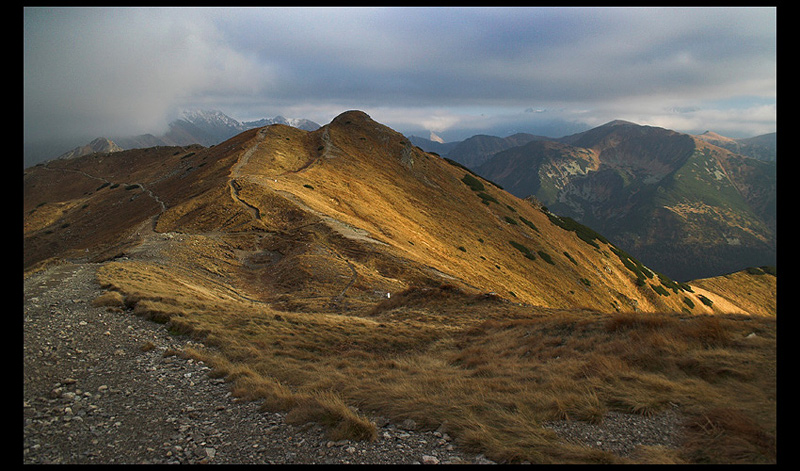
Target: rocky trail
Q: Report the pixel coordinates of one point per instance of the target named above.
(105, 387)
(101, 387)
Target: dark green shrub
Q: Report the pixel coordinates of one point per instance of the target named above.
(487, 198)
(473, 183)
(762, 270)
(585, 233)
(525, 250)
(528, 223)
(546, 257)
(511, 220)
(770, 270)
(660, 290)
(639, 270)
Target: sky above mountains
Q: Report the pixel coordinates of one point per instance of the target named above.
(455, 71)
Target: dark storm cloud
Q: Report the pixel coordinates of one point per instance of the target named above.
(436, 68)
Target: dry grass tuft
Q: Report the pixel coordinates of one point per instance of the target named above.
(730, 436)
(492, 371)
(110, 299)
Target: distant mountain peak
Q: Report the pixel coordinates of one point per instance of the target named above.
(620, 122)
(214, 117)
(435, 138)
(207, 128)
(99, 145)
(712, 136)
(299, 123)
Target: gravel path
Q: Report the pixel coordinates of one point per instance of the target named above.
(98, 388)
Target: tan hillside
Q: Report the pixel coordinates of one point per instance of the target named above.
(346, 266)
(353, 205)
(750, 291)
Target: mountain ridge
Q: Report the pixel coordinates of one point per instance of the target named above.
(344, 274)
(364, 193)
(670, 198)
(204, 127)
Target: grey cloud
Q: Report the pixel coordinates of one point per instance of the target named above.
(135, 67)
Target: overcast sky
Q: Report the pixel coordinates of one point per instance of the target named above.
(126, 71)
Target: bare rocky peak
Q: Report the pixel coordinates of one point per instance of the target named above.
(99, 145)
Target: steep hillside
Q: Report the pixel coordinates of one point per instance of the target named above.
(474, 151)
(343, 274)
(350, 211)
(682, 206)
(763, 147)
(753, 291)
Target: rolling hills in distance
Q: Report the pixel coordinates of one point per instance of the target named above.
(313, 254)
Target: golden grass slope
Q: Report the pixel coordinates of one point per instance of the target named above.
(350, 211)
(750, 291)
(368, 184)
(343, 272)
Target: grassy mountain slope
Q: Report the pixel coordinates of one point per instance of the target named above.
(763, 147)
(344, 272)
(681, 205)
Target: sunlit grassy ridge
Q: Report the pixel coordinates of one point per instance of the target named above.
(343, 273)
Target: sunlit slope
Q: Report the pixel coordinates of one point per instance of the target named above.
(342, 216)
(382, 195)
(753, 291)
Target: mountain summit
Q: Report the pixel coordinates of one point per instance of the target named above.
(347, 211)
(207, 128)
(435, 138)
(343, 275)
(99, 145)
(678, 203)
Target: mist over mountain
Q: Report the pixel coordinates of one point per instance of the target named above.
(207, 128)
(204, 127)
